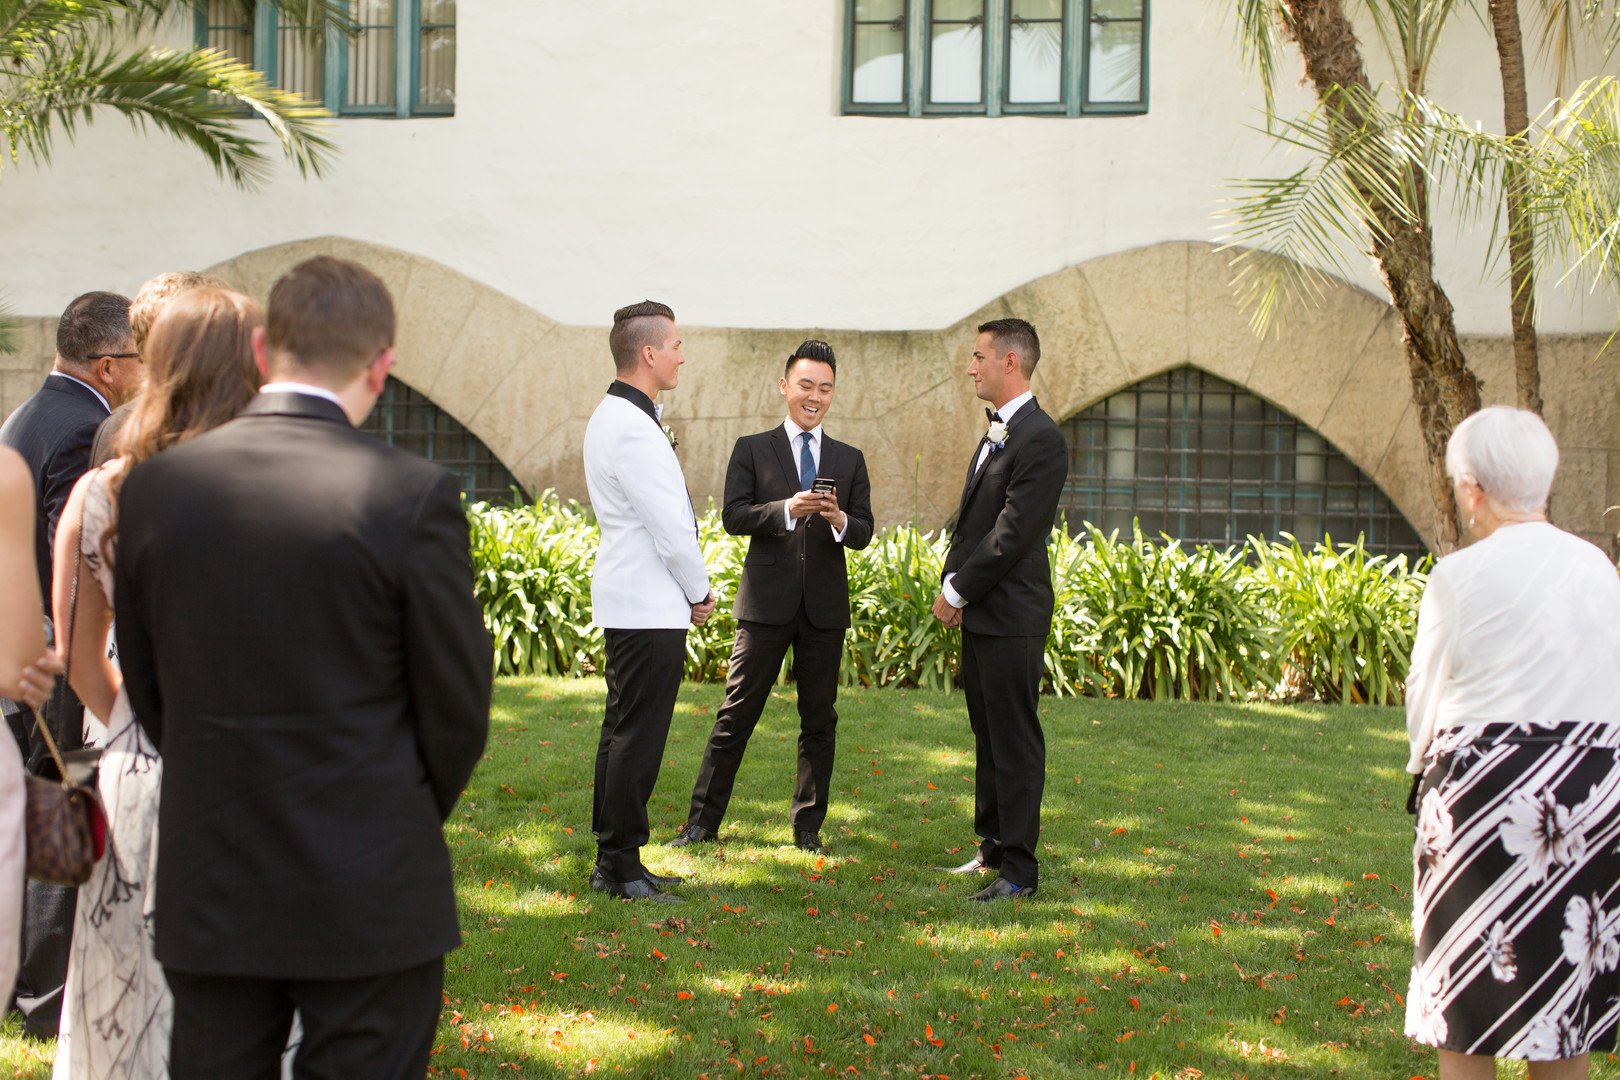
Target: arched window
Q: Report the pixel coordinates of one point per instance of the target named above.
(1205, 461)
(408, 420)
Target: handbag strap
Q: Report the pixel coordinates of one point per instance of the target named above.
(67, 653)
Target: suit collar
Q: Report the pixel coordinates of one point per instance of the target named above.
(620, 389)
(784, 455)
(63, 383)
(294, 404)
(1018, 408)
(1029, 407)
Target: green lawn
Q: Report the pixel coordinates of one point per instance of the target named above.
(1225, 893)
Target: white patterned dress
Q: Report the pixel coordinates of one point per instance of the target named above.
(116, 1008)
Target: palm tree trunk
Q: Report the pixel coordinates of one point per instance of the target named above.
(1522, 269)
(1443, 387)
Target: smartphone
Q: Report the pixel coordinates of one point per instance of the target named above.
(824, 485)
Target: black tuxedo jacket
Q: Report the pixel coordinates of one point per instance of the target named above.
(785, 568)
(299, 637)
(53, 430)
(998, 550)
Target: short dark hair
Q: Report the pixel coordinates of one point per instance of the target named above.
(819, 351)
(330, 314)
(634, 329)
(1015, 335)
(93, 325)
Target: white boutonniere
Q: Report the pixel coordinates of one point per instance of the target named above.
(669, 433)
(997, 435)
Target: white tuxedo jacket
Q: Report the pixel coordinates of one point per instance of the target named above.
(649, 569)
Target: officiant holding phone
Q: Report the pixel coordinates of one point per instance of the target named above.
(803, 498)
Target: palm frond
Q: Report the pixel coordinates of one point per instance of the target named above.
(10, 329)
(1577, 196)
(1257, 25)
(192, 94)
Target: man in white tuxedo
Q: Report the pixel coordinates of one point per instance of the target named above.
(649, 585)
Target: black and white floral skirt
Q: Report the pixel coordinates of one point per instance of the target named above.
(1516, 895)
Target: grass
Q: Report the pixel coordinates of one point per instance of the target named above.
(1225, 893)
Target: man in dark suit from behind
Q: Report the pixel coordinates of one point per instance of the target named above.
(998, 588)
(96, 370)
(794, 592)
(300, 639)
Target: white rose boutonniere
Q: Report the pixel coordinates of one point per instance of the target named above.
(669, 433)
(997, 435)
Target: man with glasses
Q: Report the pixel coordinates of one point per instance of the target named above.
(96, 370)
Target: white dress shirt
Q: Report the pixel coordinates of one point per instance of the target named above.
(1005, 413)
(794, 431)
(1523, 626)
(288, 387)
(99, 395)
(649, 569)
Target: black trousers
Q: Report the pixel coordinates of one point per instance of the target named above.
(1002, 678)
(756, 659)
(644, 669)
(379, 1027)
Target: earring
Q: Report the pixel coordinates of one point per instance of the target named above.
(1471, 519)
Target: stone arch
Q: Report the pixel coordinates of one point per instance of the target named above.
(511, 375)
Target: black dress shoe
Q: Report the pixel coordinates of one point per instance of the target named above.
(691, 834)
(664, 881)
(978, 863)
(633, 890)
(808, 841)
(1002, 889)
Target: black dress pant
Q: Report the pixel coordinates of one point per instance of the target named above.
(644, 669)
(1002, 679)
(756, 660)
(378, 1027)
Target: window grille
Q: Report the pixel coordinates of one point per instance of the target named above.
(1200, 459)
(410, 421)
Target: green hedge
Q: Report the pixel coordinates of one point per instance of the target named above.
(1134, 617)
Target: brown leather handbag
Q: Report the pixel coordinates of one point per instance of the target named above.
(64, 823)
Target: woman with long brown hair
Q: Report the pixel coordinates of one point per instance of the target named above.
(116, 1006)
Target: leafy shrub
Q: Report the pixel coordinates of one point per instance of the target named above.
(1167, 622)
(1133, 618)
(1346, 619)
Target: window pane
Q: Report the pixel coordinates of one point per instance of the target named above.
(410, 421)
(371, 54)
(1115, 57)
(1035, 55)
(436, 71)
(1116, 9)
(230, 29)
(300, 60)
(879, 10)
(956, 58)
(880, 64)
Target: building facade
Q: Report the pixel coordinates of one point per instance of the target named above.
(883, 174)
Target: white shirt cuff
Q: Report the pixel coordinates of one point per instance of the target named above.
(838, 534)
(787, 516)
(953, 597)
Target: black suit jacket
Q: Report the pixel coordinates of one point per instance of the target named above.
(805, 565)
(299, 637)
(53, 430)
(998, 550)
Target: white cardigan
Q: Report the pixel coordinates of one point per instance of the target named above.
(1523, 626)
(649, 569)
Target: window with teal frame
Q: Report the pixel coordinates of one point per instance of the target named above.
(400, 62)
(995, 57)
(409, 420)
(1207, 462)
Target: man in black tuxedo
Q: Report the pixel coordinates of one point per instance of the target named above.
(998, 588)
(95, 371)
(300, 639)
(794, 592)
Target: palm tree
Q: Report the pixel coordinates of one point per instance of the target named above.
(63, 62)
(1375, 154)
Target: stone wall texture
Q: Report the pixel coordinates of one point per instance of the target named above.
(526, 385)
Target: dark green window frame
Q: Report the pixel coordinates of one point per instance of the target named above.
(916, 23)
(408, 29)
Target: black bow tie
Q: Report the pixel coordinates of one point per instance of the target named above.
(991, 415)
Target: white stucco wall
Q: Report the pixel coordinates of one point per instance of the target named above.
(605, 150)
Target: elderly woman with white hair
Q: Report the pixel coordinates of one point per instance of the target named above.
(1513, 708)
